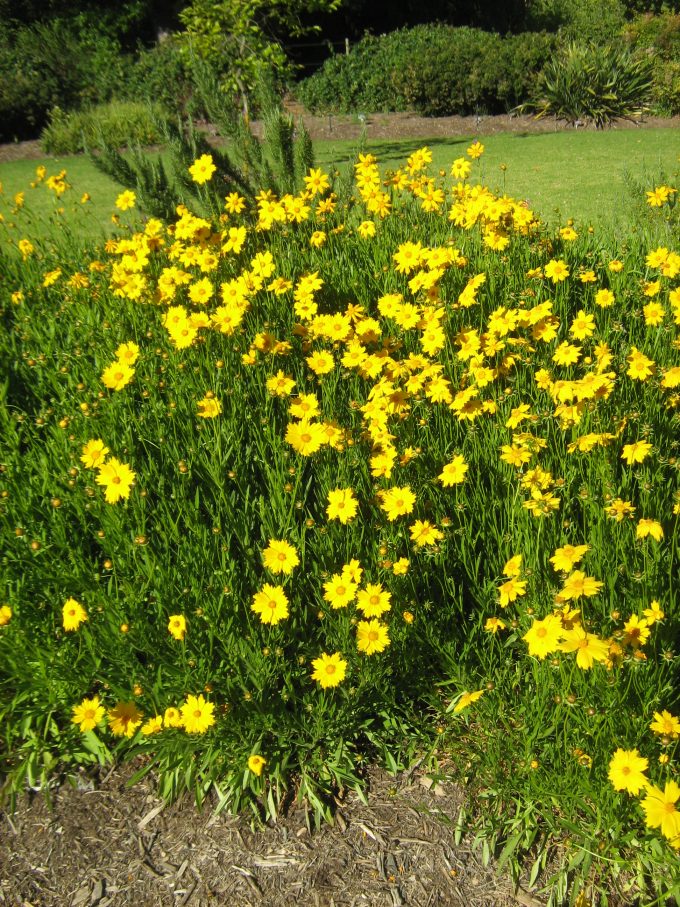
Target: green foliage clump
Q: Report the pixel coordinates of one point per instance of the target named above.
(278, 161)
(658, 39)
(53, 64)
(162, 74)
(594, 84)
(118, 123)
(435, 69)
(472, 71)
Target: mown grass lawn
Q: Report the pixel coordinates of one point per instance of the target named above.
(579, 174)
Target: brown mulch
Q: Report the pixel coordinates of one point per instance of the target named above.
(109, 844)
(380, 126)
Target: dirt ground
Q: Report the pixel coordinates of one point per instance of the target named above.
(394, 126)
(106, 845)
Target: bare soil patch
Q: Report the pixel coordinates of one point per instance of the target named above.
(108, 844)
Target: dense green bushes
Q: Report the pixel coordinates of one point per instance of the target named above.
(435, 69)
(470, 71)
(115, 124)
(658, 39)
(439, 70)
(52, 64)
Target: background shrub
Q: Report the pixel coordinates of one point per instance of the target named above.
(594, 84)
(162, 75)
(116, 124)
(658, 39)
(53, 64)
(435, 69)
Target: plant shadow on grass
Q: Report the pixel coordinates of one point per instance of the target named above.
(387, 149)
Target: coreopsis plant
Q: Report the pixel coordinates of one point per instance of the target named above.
(276, 505)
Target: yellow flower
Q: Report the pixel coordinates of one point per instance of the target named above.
(400, 567)
(647, 527)
(514, 588)
(460, 169)
(124, 719)
(372, 636)
(321, 362)
(636, 452)
(117, 479)
(398, 502)
(626, 771)
(177, 626)
(88, 714)
(306, 437)
(513, 567)
(640, 367)
(366, 229)
(653, 613)
(467, 699)
(578, 584)
(172, 717)
(126, 200)
(234, 203)
(197, 714)
(256, 764)
(280, 556)
(281, 385)
(454, 472)
(661, 812)
(329, 670)
(588, 647)
(556, 270)
(475, 150)
(544, 636)
(94, 453)
(494, 624)
(666, 725)
(604, 298)
(342, 505)
(425, 533)
(373, 601)
(564, 558)
(5, 615)
(128, 352)
(636, 632)
(117, 375)
(209, 407)
(619, 509)
(202, 169)
(339, 591)
(73, 615)
(152, 725)
(271, 604)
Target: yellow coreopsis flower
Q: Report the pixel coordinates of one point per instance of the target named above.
(256, 764)
(177, 626)
(342, 505)
(73, 615)
(209, 407)
(280, 556)
(202, 169)
(126, 200)
(94, 453)
(88, 714)
(124, 719)
(626, 771)
(197, 715)
(329, 670)
(117, 479)
(467, 699)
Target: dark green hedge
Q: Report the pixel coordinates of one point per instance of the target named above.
(434, 69)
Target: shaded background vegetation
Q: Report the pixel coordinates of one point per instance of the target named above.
(437, 56)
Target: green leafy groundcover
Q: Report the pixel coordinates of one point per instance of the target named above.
(377, 472)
